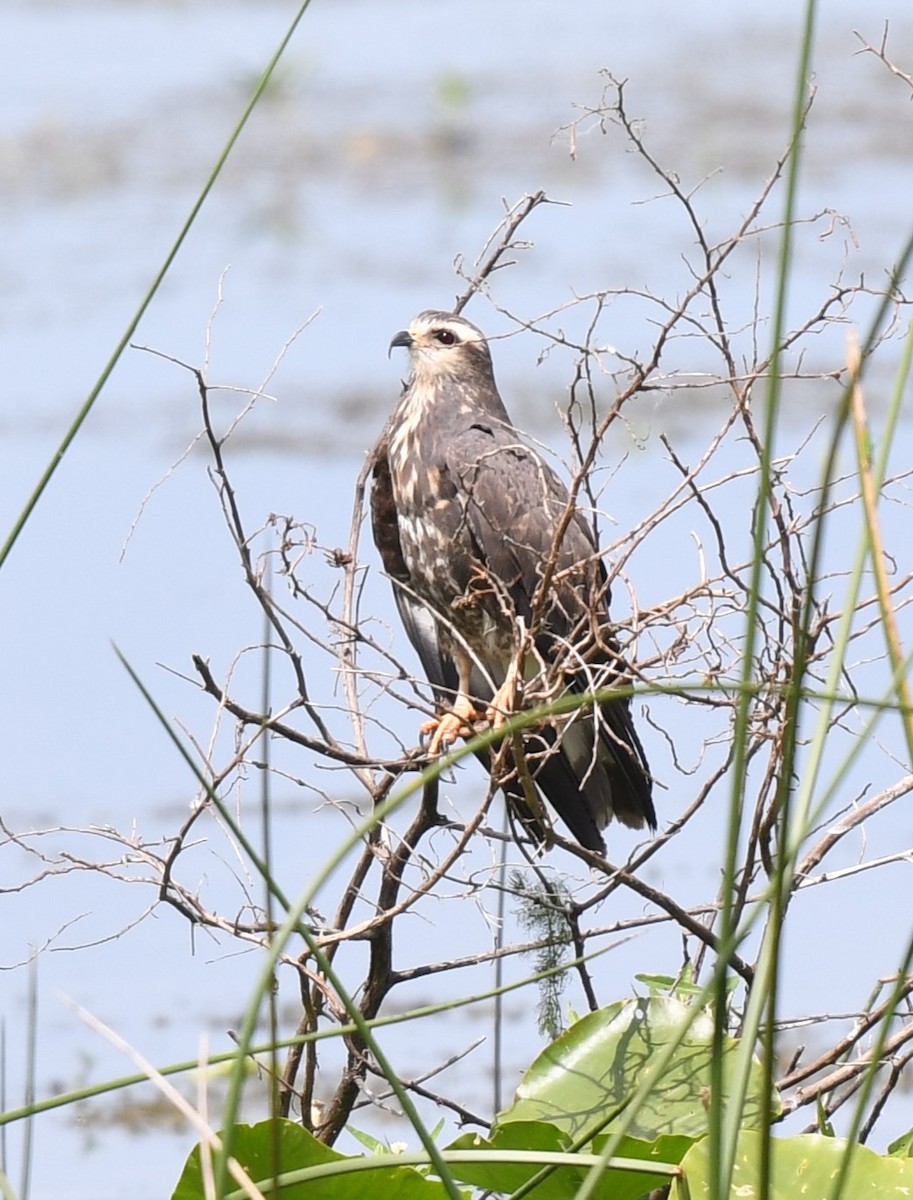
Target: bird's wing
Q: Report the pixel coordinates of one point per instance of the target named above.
(421, 627)
(489, 482)
(515, 506)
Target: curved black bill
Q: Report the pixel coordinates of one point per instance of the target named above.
(403, 338)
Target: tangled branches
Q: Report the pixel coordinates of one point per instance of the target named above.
(759, 586)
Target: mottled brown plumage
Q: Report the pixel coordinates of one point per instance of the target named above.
(467, 517)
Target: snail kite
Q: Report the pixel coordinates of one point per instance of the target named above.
(500, 587)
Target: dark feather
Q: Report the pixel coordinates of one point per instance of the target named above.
(422, 628)
(418, 620)
(466, 516)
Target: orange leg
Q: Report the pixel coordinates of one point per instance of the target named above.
(447, 728)
(502, 703)
(458, 722)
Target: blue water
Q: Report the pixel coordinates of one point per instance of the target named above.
(386, 150)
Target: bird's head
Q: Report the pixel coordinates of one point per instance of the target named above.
(442, 345)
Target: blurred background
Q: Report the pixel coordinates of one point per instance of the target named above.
(392, 137)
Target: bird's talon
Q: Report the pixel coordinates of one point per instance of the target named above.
(503, 703)
(445, 730)
(495, 717)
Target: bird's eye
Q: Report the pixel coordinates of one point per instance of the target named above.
(445, 336)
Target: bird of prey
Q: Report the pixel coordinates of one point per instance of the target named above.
(499, 584)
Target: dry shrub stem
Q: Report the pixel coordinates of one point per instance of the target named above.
(342, 742)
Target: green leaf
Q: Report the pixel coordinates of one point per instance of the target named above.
(902, 1147)
(669, 1148)
(561, 1184)
(806, 1165)
(375, 1145)
(825, 1126)
(666, 1149)
(295, 1149)
(681, 986)
(584, 1079)
(558, 1183)
(659, 983)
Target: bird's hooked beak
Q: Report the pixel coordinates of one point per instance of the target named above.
(403, 338)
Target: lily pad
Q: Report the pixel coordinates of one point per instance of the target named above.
(806, 1165)
(585, 1080)
(269, 1149)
